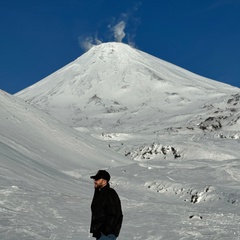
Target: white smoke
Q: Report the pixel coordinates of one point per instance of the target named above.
(118, 31)
(88, 42)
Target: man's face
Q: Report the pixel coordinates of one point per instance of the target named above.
(99, 183)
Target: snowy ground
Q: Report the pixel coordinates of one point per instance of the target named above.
(161, 200)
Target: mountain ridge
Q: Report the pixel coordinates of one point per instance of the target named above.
(23, 125)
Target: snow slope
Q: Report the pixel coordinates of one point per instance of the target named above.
(169, 138)
(42, 163)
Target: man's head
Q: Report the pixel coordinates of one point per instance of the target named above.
(101, 178)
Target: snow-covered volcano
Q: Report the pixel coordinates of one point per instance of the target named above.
(115, 87)
(118, 94)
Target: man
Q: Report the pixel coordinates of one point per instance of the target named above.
(106, 209)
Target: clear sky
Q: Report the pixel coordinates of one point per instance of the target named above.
(41, 36)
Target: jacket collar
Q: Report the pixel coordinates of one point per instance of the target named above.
(104, 188)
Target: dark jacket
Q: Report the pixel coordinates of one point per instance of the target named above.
(106, 212)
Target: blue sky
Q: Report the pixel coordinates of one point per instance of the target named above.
(41, 36)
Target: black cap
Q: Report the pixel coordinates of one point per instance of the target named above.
(101, 174)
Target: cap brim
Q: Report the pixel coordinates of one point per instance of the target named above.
(95, 177)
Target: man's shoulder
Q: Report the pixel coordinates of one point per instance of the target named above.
(112, 193)
(111, 190)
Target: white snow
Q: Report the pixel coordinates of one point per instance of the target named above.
(168, 137)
